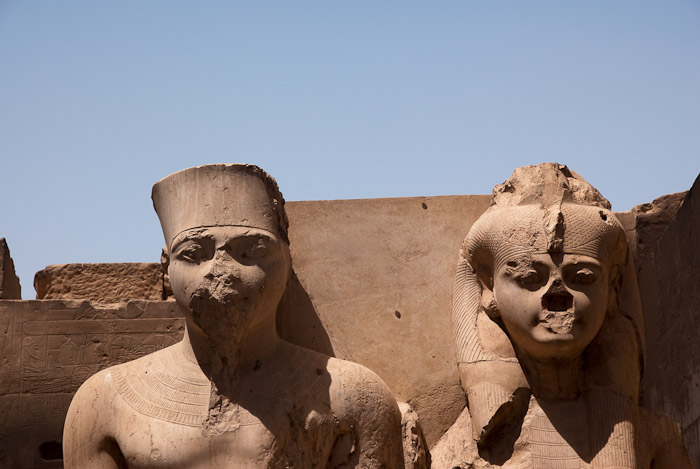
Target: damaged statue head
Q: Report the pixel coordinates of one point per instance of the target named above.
(549, 269)
(549, 331)
(232, 393)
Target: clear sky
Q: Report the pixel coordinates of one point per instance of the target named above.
(336, 99)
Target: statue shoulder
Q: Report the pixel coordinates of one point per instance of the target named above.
(353, 374)
(97, 388)
(368, 415)
(88, 423)
(96, 394)
(356, 389)
(350, 388)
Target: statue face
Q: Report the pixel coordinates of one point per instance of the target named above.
(552, 305)
(228, 279)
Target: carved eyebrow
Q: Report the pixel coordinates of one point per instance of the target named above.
(256, 236)
(586, 265)
(190, 236)
(521, 267)
(264, 236)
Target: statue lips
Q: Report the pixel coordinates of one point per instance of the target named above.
(558, 312)
(219, 307)
(558, 322)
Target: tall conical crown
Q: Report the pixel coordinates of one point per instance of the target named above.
(219, 195)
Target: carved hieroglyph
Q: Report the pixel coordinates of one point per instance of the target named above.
(232, 393)
(549, 336)
(49, 348)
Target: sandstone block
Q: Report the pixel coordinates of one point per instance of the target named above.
(100, 283)
(9, 282)
(47, 350)
(669, 279)
(651, 221)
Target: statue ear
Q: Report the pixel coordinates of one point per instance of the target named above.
(488, 300)
(164, 260)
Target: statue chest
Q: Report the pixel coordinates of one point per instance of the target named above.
(582, 433)
(167, 420)
(282, 439)
(175, 430)
(148, 443)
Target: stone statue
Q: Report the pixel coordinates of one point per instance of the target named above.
(231, 393)
(549, 336)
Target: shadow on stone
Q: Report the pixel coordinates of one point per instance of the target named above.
(298, 322)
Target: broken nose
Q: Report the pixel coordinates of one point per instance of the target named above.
(557, 298)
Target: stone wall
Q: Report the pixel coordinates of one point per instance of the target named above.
(9, 282)
(48, 348)
(670, 289)
(103, 283)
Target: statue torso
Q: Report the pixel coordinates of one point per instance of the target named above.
(595, 430)
(163, 419)
(600, 429)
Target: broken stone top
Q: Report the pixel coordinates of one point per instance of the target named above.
(545, 208)
(219, 195)
(546, 184)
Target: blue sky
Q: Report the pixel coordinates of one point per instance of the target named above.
(336, 99)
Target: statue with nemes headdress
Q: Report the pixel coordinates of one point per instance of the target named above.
(232, 393)
(549, 336)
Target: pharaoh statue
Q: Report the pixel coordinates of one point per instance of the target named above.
(549, 336)
(232, 393)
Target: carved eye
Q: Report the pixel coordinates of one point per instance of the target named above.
(193, 253)
(583, 276)
(531, 276)
(528, 279)
(257, 249)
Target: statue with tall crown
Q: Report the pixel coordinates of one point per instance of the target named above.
(549, 336)
(232, 393)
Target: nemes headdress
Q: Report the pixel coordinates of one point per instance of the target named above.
(544, 208)
(219, 195)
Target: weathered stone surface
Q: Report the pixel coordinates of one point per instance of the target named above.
(650, 223)
(101, 283)
(329, 305)
(415, 449)
(376, 273)
(47, 350)
(404, 248)
(549, 334)
(670, 287)
(9, 282)
(232, 393)
(458, 448)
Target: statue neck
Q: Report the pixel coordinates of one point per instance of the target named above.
(227, 359)
(555, 379)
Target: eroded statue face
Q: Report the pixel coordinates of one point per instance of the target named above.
(552, 305)
(228, 278)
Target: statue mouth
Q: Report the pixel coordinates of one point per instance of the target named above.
(558, 322)
(220, 310)
(557, 315)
